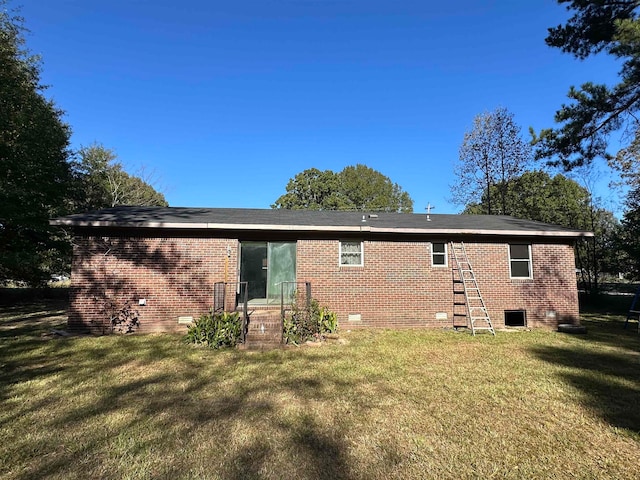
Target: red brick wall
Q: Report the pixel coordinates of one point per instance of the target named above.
(553, 287)
(396, 287)
(174, 275)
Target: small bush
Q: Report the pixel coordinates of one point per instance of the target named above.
(308, 323)
(328, 320)
(117, 317)
(216, 330)
(125, 319)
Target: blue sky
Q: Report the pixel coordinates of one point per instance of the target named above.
(225, 101)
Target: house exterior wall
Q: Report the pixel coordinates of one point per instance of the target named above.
(549, 298)
(396, 287)
(174, 275)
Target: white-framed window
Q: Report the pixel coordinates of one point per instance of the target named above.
(520, 260)
(351, 253)
(438, 254)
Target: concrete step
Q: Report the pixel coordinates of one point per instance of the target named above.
(258, 325)
(267, 321)
(264, 337)
(264, 331)
(260, 346)
(271, 323)
(267, 316)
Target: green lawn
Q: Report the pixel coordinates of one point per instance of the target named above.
(389, 404)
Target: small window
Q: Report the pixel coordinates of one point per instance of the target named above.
(351, 254)
(439, 254)
(520, 260)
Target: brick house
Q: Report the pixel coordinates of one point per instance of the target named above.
(372, 269)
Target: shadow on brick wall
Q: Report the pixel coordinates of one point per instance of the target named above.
(110, 274)
(558, 291)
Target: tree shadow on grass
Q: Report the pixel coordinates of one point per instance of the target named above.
(174, 392)
(32, 318)
(604, 365)
(608, 330)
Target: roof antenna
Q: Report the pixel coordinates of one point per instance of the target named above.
(428, 209)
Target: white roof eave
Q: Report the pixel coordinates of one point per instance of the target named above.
(321, 228)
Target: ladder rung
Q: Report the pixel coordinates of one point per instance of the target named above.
(471, 291)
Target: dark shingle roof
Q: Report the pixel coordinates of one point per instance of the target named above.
(307, 220)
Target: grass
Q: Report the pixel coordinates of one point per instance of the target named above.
(389, 404)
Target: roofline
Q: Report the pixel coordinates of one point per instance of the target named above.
(317, 228)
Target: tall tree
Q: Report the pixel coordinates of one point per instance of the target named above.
(559, 200)
(354, 188)
(536, 195)
(34, 172)
(595, 110)
(102, 182)
(492, 153)
(313, 189)
(628, 165)
(368, 189)
(630, 234)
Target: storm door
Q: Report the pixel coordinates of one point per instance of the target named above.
(269, 268)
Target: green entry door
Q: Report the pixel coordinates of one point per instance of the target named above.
(265, 266)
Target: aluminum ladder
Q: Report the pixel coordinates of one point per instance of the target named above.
(475, 309)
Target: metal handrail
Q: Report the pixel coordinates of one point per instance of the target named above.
(307, 289)
(242, 297)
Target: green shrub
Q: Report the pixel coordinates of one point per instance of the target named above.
(216, 330)
(308, 323)
(328, 320)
